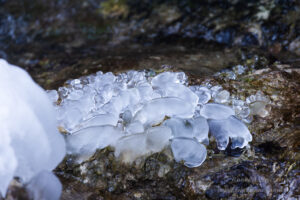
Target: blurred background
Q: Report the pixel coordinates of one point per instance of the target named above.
(55, 40)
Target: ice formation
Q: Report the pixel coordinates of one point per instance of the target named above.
(216, 111)
(42, 180)
(30, 142)
(231, 127)
(190, 128)
(140, 113)
(171, 107)
(133, 146)
(87, 140)
(188, 150)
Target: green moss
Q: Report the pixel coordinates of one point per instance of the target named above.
(114, 8)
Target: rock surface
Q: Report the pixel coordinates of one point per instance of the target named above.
(267, 169)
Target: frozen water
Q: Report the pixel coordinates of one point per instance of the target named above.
(216, 111)
(134, 127)
(238, 129)
(237, 103)
(241, 109)
(259, 96)
(138, 113)
(170, 84)
(127, 116)
(75, 94)
(166, 78)
(240, 69)
(87, 140)
(215, 90)
(103, 79)
(188, 150)
(63, 92)
(98, 120)
(146, 92)
(201, 129)
(257, 104)
(8, 161)
(190, 128)
(76, 83)
(203, 94)
(219, 132)
(30, 142)
(227, 74)
(104, 94)
(69, 116)
(180, 127)
(129, 148)
(222, 96)
(181, 78)
(258, 108)
(179, 91)
(53, 95)
(157, 138)
(244, 112)
(120, 102)
(248, 119)
(232, 128)
(233, 73)
(135, 78)
(45, 186)
(157, 109)
(163, 79)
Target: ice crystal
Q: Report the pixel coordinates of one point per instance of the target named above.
(139, 113)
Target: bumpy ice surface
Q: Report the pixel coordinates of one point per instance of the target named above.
(30, 142)
(140, 113)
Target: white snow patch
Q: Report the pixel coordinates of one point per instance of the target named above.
(30, 142)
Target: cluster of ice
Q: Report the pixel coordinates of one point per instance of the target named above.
(255, 104)
(234, 72)
(30, 143)
(140, 113)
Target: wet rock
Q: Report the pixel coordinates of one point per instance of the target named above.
(114, 9)
(295, 46)
(216, 192)
(249, 40)
(82, 37)
(268, 169)
(225, 36)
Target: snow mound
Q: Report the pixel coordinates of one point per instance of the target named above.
(45, 186)
(30, 142)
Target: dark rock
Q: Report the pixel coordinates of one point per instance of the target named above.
(233, 152)
(226, 36)
(249, 39)
(68, 32)
(215, 192)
